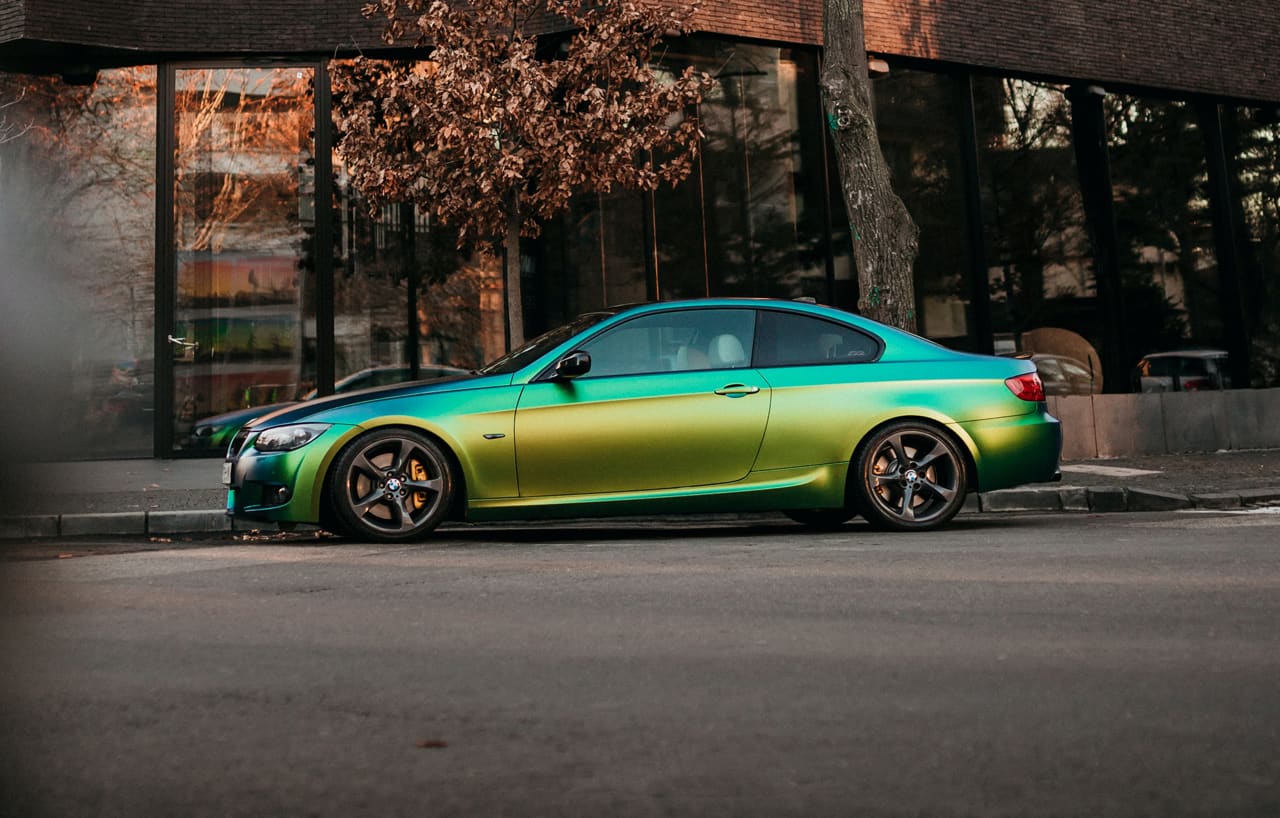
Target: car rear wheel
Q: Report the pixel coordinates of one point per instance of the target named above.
(391, 486)
(910, 477)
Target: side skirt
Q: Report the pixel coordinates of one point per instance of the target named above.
(806, 487)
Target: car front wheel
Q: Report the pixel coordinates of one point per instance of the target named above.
(391, 485)
(910, 477)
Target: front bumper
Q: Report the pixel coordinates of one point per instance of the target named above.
(281, 486)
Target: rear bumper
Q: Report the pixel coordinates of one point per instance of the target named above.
(1016, 450)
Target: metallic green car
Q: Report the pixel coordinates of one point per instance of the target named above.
(716, 405)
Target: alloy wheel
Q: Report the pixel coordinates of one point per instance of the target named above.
(393, 485)
(911, 477)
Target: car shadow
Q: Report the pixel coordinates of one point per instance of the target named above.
(470, 535)
(652, 529)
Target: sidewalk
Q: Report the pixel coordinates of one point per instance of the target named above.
(166, 497)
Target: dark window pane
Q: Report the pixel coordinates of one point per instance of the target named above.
(786, 339)
(1252, 137)
(917, 122)
(1040, 259)
(1168, 267)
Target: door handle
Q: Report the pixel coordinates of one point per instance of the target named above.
(737, 390)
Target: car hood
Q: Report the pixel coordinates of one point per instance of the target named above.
(301, 412)
(239, 417)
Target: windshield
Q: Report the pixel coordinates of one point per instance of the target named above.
(532, 350)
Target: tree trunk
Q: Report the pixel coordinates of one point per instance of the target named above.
(511, 276)
(884, 236)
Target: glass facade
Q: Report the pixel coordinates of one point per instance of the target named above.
(750, 219)
(1168, 265)
(918, 122)
(244, 319)
(1252, 143)
(269, 272)
(1039, 256)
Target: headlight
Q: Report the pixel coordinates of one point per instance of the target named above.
(288, 438)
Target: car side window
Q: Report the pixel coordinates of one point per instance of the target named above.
(790, 339)
(678, 340)
(1075, 371)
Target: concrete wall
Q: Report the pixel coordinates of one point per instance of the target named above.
(1169, 422)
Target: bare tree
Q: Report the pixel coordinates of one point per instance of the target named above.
(885, 238)
(11, 130)
(501, 127)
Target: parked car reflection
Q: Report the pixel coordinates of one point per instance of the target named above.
(212, 434)
(1062, 375)
(1066, 376)
(1184, 371)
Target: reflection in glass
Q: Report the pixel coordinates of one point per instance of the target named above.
(1169, 270)
(372, 269)
(760, 196)
(749, 220)
(244, 179)
(916, 118)
(396, 256)
(593, 256)
(1037, 244)
(1252, 137)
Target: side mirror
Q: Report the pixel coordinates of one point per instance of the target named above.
(572, 365)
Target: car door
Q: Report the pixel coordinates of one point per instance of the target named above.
(670, 401)
(825, 389)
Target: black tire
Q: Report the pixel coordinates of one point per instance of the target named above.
(821, 519)
(391, 485)
(910, 476)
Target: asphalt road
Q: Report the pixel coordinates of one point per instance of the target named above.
(1115, 665)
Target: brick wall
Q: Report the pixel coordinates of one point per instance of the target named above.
(11, 20)
(1185, 46)
(1181, 45)
(202, 26)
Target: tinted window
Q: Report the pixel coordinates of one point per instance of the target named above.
(674, 341)
(791, 339)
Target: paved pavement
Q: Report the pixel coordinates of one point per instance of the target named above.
(167, 497)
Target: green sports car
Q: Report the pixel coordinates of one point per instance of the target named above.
(715, 405)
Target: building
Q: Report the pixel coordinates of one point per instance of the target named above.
(1108, 167)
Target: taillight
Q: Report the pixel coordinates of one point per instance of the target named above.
(1028, 387)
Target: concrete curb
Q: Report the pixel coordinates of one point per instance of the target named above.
(1061, 499)
(128, 523)
(1110, 499)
